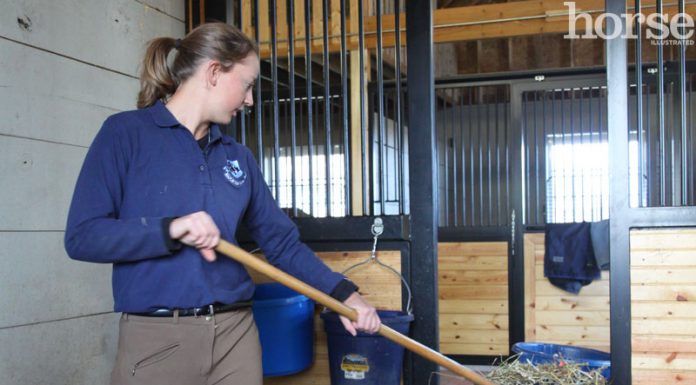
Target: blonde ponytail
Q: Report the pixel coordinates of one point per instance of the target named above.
(156, 80)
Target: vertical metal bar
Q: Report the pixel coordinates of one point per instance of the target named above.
(682, 111)
(310, 101)
(463, 153)
(554, 177)
(692, 148)
(314, 149)
(397, 66)
(500, 210)
(661, 109)
(346, 112)
(581, 133)
(572, 151)
(653, 150)
(287, 160)
(373, 139)
(590, 117)
(454, 167)
(541, 218)
(445, 154)
(387, 177)
(508, 142)
(380, 103)
(639, 99)
(243, 129)
(489, 164)
(301, 167)
(670, 128)
(602, 193)
(240, 24)
(525, 143)
(564, 183)
(480, 161)
(259, 111)
(290, 13)
(363, 123)
(327, 106)
(276, 115)
(472, 183)
(536, 160)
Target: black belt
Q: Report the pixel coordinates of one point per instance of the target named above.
(196, 311)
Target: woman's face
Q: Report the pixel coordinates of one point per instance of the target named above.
(233, 90)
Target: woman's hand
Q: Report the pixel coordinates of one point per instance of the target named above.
(368, 320)
(197, 230)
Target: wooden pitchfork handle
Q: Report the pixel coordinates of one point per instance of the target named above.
(265, 268)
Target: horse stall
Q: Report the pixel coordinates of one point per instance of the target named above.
(514, 180)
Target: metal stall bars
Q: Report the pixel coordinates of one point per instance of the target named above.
(661, 136)
(473, 127)
(307, 161)
(566, 153)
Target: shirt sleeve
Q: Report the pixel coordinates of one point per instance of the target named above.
(94, 231)
(279, 238)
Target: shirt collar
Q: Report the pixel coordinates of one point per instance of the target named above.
(162, 116)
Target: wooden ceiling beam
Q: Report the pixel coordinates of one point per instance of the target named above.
(503, 20)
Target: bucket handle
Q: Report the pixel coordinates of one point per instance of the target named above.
(377, 229)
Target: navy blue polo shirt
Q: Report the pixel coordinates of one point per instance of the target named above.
(143, 167)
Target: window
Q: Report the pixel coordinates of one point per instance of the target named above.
(316, 182)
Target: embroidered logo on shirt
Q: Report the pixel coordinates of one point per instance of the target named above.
(234, 173)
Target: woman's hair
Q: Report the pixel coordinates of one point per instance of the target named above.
(211, 41)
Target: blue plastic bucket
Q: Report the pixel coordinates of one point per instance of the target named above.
(539, 353)
(285, 320)
(369, 358)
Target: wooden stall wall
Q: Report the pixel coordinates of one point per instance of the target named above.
(663, 306)
(473, 298)
(555, 316)
(378, 285)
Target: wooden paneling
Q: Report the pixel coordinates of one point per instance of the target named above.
(381, 287)
(473, 293)
(663, 306)
(555, 316)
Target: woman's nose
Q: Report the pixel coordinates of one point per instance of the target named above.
(249, 98)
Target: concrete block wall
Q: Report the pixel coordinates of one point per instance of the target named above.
(64, 67)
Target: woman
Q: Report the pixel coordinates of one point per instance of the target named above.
(159, 188)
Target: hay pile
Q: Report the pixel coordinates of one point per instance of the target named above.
(514, 372)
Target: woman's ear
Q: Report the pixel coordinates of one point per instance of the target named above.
(212, 72)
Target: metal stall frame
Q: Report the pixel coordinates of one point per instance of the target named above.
(623, 217)
(422, 182)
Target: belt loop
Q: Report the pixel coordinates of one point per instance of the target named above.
(125, 316)
(211, 309)
(176, 316)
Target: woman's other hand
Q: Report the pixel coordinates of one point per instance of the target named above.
(368, 320)
(197, 230)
